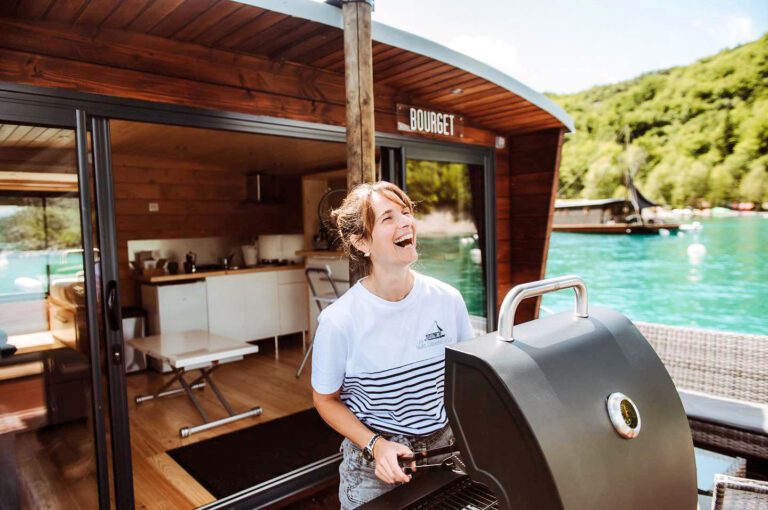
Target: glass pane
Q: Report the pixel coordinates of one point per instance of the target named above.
(449, 222)
(46, 437)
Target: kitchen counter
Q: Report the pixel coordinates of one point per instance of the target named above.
(166, 278)
(321, 253)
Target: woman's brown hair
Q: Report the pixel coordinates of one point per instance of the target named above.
(355, 218)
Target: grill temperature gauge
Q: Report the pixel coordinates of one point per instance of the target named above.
(624, 415)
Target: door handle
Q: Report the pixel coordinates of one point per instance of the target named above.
(113, 313)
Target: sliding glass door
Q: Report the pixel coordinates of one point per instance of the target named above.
(451, 188)
(57, 314)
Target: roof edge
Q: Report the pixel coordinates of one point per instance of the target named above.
(330, 15)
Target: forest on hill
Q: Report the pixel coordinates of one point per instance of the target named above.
(690, 136)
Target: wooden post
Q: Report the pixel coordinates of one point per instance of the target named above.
(358, 72)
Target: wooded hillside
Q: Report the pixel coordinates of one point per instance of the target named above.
(692, 136)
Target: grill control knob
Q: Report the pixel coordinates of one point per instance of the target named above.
(624, 415)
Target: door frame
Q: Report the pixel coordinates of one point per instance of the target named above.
(21, 111)
(400, 150)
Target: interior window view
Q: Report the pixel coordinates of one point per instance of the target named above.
(214, 231)
(45, 416)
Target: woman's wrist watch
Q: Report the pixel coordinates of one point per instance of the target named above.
(368, 449)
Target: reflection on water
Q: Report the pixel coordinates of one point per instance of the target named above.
(661, 279)
(449, 259)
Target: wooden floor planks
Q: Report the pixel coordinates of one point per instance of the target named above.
(160, 483)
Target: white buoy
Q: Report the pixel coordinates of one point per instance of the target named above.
(663, 232)
(696, 252)
(476, 255)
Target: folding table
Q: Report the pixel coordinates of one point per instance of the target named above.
(186, 352)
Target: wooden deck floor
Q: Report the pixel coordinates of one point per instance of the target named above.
(159, 483)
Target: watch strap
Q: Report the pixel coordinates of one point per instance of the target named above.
(368, 450)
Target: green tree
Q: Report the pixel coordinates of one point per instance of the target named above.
(754, 186)
(26, 228)
(720, 186)
(702, 129)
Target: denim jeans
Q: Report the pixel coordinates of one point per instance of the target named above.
(358, 482)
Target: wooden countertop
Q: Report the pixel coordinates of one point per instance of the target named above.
(321, 253)
(166, 278)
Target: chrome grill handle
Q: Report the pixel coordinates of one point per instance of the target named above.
(533, 289)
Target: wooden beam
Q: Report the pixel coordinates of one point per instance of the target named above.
(38, 181)
(358, 72)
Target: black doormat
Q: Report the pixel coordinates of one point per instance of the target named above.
(244, 458)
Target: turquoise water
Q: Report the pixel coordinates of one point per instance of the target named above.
(652, 278)
(37, 265)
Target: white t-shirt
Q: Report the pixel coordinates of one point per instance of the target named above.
(388, 357)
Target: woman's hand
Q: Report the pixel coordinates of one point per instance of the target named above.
(385, 453)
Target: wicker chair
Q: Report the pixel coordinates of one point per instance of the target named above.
(729, 365)
(739, 494)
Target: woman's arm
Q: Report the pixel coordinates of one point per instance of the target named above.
(343, 421)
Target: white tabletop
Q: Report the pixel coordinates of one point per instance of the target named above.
(192, 348)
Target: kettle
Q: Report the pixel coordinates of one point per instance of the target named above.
(190, 262)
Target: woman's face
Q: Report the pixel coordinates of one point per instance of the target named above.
(393, 238)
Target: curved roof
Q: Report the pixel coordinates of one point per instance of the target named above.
(331, 16)
(308, 37)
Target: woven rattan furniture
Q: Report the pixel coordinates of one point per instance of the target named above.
(739, 494)
(729, 365)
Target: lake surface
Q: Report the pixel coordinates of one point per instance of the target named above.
(653, 279)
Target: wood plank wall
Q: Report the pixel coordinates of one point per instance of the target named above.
(534, 160)
(137, 66)
(194, 200)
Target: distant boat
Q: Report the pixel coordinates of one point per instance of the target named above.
(609, 215)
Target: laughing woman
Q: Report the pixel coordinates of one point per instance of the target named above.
(379, 350)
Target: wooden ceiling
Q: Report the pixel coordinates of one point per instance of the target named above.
(13, 135)
(236, 27)
(40, 149)
(241, 152)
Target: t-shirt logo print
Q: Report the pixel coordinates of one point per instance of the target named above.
(433, 337)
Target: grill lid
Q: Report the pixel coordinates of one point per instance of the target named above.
(572, 411)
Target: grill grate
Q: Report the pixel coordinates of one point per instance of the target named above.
(463, 494)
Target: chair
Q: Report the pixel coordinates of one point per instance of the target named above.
(321, 300)
(733, 493)
(729, 368)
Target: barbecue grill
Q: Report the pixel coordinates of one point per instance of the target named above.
(572, 411)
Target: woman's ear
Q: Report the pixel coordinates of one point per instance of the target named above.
(361, 245)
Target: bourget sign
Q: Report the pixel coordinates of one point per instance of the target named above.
(413, 119)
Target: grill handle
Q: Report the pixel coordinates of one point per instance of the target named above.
(527, 290)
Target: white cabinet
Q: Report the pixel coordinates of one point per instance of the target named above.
(292, 300)
(261, 306)
(227, 307)
(251, 306)
(244, 306)
(175, 308)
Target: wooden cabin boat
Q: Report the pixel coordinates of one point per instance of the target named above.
(191, 127)
(609, 215)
